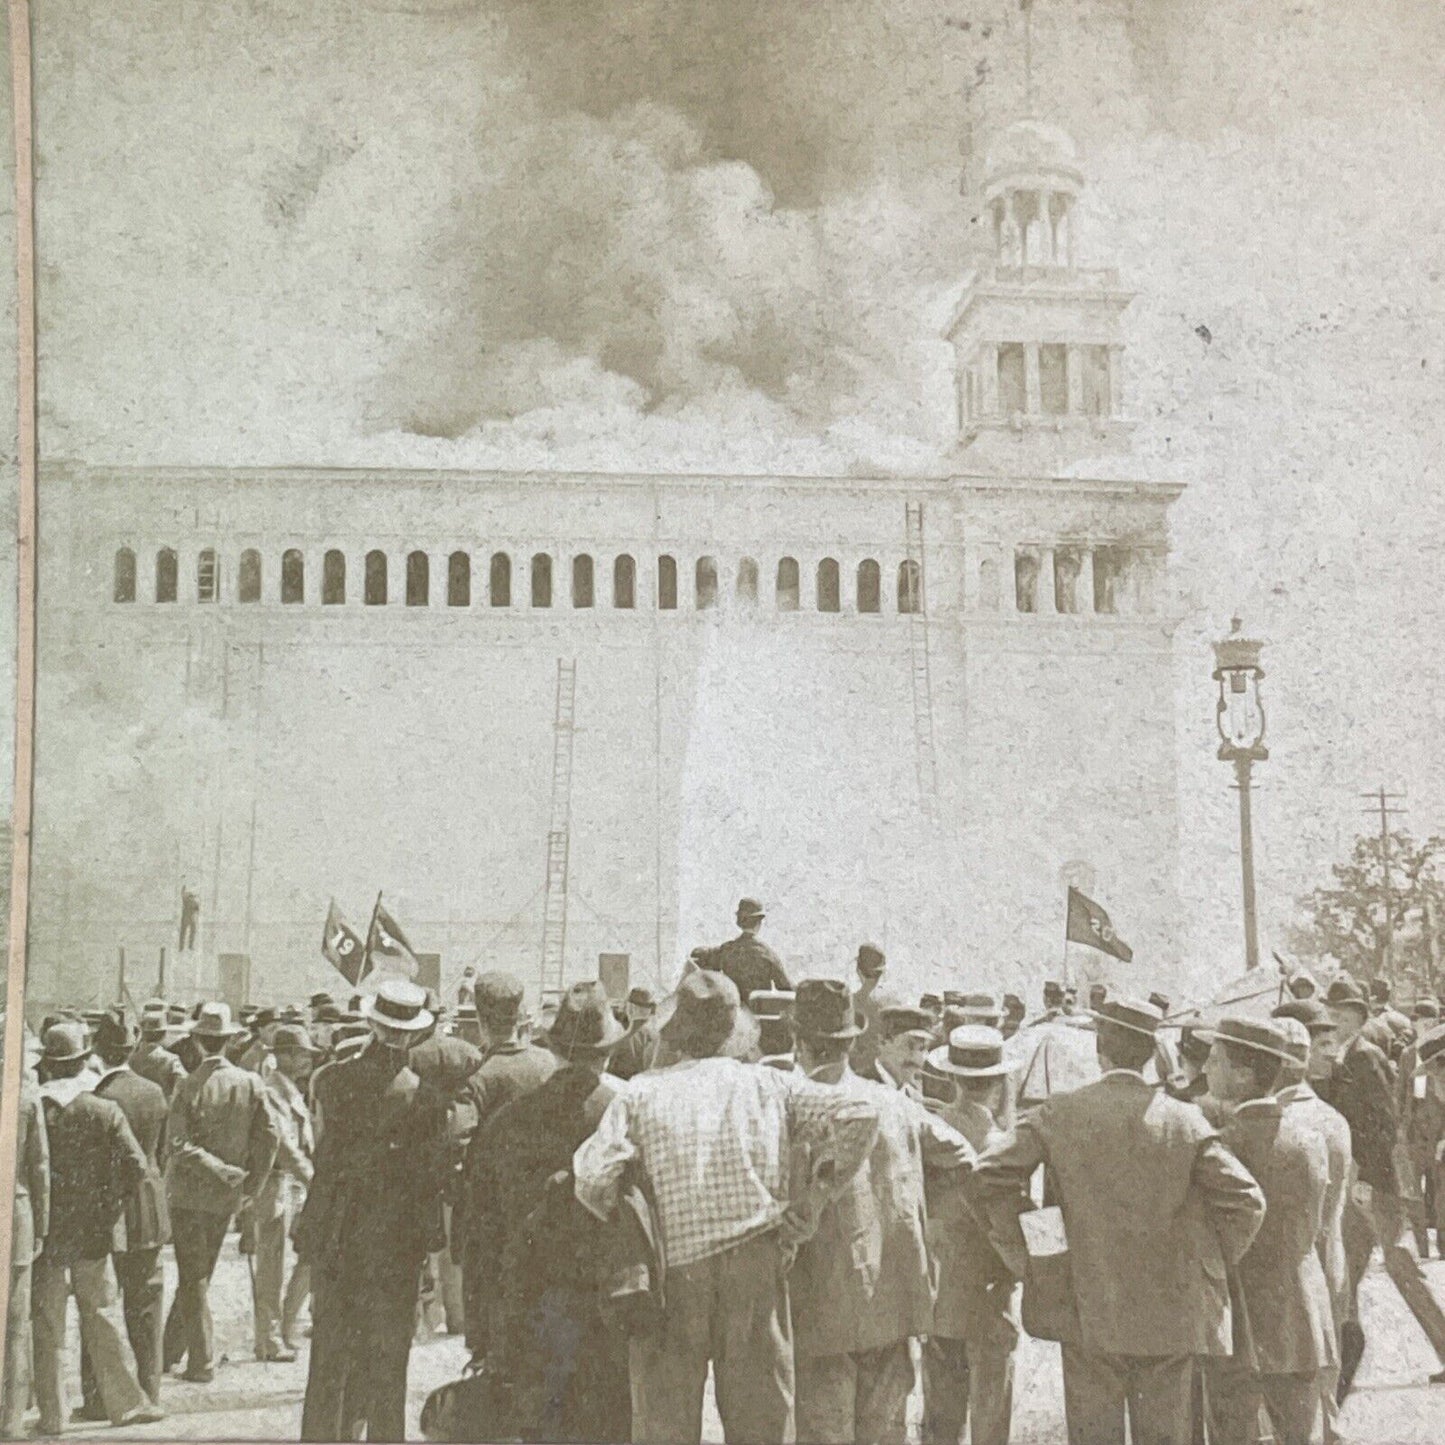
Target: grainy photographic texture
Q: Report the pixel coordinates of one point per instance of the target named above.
(690, 653)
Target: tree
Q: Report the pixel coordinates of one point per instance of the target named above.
(1347, 923)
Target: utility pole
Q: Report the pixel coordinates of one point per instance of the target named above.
(1382, 804)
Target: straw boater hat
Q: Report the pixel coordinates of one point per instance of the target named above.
(213, 1021)
(1136, 1014)
(1263, 1036)
(973, 1051)
(398, 1005)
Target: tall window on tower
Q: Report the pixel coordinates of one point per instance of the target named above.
(582, 589)
(1095, 381)
(293, 576)
(208, 587)
(788, 584)
(374, 592)
(459, 580)
(870, 586)
(1054, 380)
(910, 586)
(667, 583)
(248, 576)
(333, 578)
(166, 575)
(418, 579)
(1013, 396)
(541, 579)
(499, 580)
(829, 587)
(624, 582)
(123, 589)
(705, 577)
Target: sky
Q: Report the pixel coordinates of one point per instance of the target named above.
(687, 235)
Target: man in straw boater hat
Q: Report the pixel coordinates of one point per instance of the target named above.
(711, 1137)
(94, 1164)
(538, 1249)
(1309, 1025)
(1289, 1335)
(372, 1214)
(968, 1357)
(1155, 1210)
(861, 1285)
(221, 1140)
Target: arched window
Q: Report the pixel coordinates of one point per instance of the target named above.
(499, 581)
(123, 586)
(374, 592)
(910, 586)
(418, 579)
(829, 586)
(248, 576)
(870, 586)
(293, 575)
(541, 579)
(1026, 582)
(459, 580)
(988, 585)
(705, 576)
(788, 584)
(582, 580)
(747, 580)
(624, 582)
(667, 583)
(333, 578)
(166, 575)
(208, 581)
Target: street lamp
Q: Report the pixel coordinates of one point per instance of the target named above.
(1240, 718)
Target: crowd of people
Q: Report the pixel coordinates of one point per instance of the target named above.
(819, 1191)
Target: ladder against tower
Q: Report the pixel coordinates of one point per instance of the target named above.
(914, 596)
(554, 907)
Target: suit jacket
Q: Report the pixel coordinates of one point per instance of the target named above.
(158, 1064)
(284, 1190)
(145, 1221)
(95, 1163)
(30, 1217)
(1281, 1279)
(1361, 1086)
(1155, 1209)
(1329, 1126)
(374, 1207)
(635, 1053)
(221, 1136)
(750, 963)
(864, 1279)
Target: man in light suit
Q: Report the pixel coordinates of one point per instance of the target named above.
(861, 1285)
(1155, 1209)
(1283, 1293)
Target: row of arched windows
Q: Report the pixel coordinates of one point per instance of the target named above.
(787, 588)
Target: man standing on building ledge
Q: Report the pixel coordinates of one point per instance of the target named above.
(746, 959)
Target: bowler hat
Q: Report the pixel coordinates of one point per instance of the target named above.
(823, 1009)
(641, 998)
(292, 1037)
(213, 1021)
(1431, 1045)
(1136, 1014)
(973, 1051)
(115, 1031)
(1308, 1011)
(399, 1005)
(585, 1023)
(1344, 992)
(750, 908)
(704, 1013)
(65, 1041)
(1263, 1036)
(498, 996)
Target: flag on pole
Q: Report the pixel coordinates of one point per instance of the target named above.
(341, 947)
(1088, 923)
(385, 940)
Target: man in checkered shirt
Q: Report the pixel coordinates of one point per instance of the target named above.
(713, 1137)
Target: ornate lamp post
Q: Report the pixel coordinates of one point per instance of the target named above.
(1240, 717)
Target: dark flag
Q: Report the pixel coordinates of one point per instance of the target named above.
(341, 947)
(1088, 923)
(385, 940)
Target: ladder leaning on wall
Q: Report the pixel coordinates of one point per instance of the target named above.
(925, 757)
(554, 906)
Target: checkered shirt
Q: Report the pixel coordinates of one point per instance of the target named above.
(713, 1138)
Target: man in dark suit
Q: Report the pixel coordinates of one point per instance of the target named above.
(1283, 1291)
(221, 1141)
(746, 959)
(372, 1214)
(150, 1058)
(637, 1051)
(95, 1165)
(1362, 1087)
(1155, 1210)
(145, 1224)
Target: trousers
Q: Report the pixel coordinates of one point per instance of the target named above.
(361, 1331)
(18, 1373)
(298, 1291)
(92, 1281)
(860, 1398)
(270, 1236)
(1235, 1395)
(969, 1381)
(142, 1290)
(1152, 1391)
(189, 1333)
(732, 1309)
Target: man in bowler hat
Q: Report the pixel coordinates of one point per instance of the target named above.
(746, 959)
